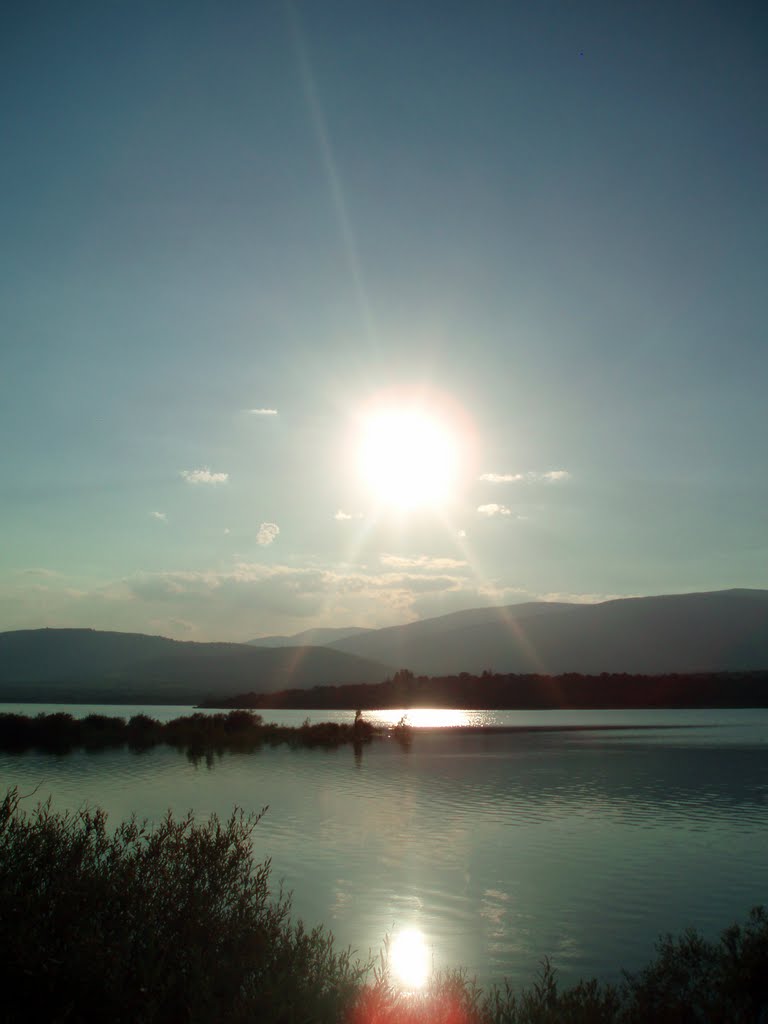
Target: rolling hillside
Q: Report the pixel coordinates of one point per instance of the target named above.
(322, 637)
(708, 632)
(86, 664)
(723, 631)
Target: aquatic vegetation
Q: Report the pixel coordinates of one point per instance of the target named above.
(178, 923)
(403, 733)
(198, 734)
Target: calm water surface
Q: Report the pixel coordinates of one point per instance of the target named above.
(581, 845)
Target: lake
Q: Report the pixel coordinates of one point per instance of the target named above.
(558, 839)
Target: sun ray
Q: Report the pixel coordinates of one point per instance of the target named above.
(319, 125)
(512, 625)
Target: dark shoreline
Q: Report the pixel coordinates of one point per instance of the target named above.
(242, 730)
(491, 691)
(494, 691)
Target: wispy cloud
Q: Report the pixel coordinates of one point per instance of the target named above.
(342, 517)
(532, 477)
(262, 412)
(231, 597)
(553, 475)
(223, 602)
(581, 598)
(162, 516)
(172, 626)
(203, 476)
(501, 478)
(267, 533)
(421, 562)
(493, 509)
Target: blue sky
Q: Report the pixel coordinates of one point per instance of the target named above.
(548, 222)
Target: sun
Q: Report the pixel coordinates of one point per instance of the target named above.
(408, 456)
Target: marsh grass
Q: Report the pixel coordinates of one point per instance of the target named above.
(198, 734)
(178, 923)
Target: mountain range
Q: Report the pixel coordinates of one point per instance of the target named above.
(322, 636)
(724, 630)
(718, 631)
(88, 664)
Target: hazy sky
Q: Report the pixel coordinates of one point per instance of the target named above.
(543, 226)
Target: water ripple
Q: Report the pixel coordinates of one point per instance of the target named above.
(500, 848)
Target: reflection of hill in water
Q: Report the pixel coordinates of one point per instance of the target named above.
(517, 778)
(527, 777)
(524, 778)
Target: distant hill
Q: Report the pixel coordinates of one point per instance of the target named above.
(320, 637)
(708, 632)
(722, 631)
(87, 664)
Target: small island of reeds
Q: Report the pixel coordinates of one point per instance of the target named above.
(241, 730)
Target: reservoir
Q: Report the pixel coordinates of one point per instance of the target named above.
(579, 835)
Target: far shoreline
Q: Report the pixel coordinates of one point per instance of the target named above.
(244, 730)
(405, 691)
(137, 701)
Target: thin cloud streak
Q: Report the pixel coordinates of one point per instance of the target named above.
(203, 476)
(556, 474)
(492, 509)
(421, 562)
(568, 598)
(532, 477)
(501, 478)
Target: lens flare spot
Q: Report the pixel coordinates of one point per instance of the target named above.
(409, 959)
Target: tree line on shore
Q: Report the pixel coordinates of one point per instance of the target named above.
(177, 923)
(512, 691)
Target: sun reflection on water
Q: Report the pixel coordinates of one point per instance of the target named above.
(425, 718)
(409, 959)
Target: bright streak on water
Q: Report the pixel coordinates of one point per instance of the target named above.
(409, 959)
(423, 718)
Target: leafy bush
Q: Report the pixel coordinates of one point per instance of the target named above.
(694, 980)
(174, 923)
(178, 924)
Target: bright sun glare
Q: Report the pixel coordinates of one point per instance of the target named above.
(408, 457)
(409, 959)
